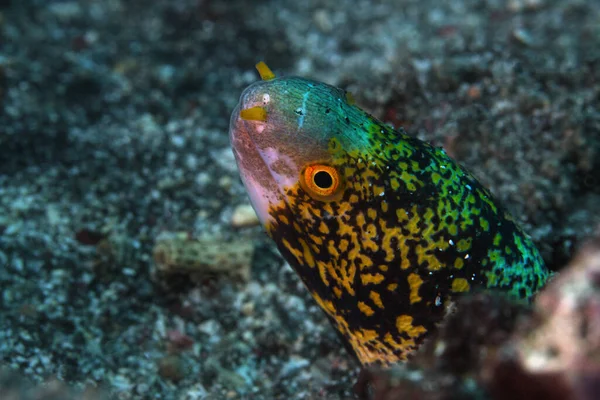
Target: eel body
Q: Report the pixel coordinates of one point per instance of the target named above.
(384, 229)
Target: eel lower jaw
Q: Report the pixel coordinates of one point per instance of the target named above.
(256, 175)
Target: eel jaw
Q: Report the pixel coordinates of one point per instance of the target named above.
(254, 171)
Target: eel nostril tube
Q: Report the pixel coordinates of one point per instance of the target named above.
(265, 72)
(254, 114)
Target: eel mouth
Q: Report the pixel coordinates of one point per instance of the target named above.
(253, 167)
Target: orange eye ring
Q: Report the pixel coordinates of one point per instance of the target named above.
(321, 181)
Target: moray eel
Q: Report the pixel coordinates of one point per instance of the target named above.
(384, 229)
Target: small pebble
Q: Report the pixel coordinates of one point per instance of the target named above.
(522, 36)
(248, 309)
(523, 5)
(244, 216)
(225, 182)
(322, 20)
(170, 368)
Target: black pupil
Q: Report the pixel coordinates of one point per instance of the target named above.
(323, 180)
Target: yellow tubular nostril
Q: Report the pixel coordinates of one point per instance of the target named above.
(254, 114)
(265, 72)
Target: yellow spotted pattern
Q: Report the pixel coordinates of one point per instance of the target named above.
(409, 231)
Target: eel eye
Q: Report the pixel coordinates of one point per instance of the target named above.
(322, 182)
